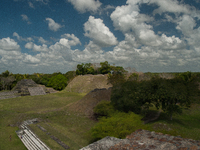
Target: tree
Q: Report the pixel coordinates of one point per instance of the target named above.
(105, 68)
(83, 69)
(171, 95)
(6, 73)
(58, 82)
(6, 82)
(80, 69)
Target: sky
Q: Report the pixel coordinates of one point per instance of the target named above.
(47, 36)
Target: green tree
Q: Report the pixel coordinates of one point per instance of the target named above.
(83, 69)
(7, 82)
(58, 82)
(171, 95)
(105, 67)
(6, 73)
(80, 69)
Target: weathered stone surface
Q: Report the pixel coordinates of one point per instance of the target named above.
(103, 144)
(8, 94)
(143, 139)
(36, 91)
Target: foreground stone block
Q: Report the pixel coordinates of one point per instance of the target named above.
(36, 91)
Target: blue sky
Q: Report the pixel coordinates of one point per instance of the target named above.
(47, 36)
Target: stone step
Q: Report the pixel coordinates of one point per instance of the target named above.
(29, 144)
(34, 140)
(30, 140)
(26, 143)
(44, 145)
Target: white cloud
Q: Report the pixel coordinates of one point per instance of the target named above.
(42, 40)
(86, 5)
(70, 39)
(170, 6)
(91, 53)
(129, 20)
(53, 25)
(188, 26)
(38, 48)
(29, 45)
(25, 18)
(63, 47)
(30, 59)
(17, 35)
(99, 33)
(8, 44)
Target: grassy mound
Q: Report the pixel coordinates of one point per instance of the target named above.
(87, 103)
(87, 83)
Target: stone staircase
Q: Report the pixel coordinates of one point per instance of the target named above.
(30, 140)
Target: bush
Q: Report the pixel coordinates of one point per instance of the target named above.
(58, 82)
(119, 125)
(104, 109)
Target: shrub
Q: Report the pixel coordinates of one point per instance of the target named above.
(104, 108)
(58, 82)
(119, 125)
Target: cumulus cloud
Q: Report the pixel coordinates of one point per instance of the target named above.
(30, 59)
(99, 32)
(91, 53)
(38, 48)
(173, 6)
(142, 46)
(70, 39)
(42, 40)
(148, 50)
(8, 44)
(86, 5)
(129, 20)
(53, 25)
(188, 26)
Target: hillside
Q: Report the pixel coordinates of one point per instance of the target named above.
(87, 103)
(87, 83)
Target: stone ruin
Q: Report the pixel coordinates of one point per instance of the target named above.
(29, 87)
(36, 91)
(23, 87)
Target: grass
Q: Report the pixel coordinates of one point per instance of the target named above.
(74, 129)
(186, 125)
(52, 110)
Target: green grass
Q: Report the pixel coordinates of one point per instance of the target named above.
(74, 129)
(187, 125)
(52, 110)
